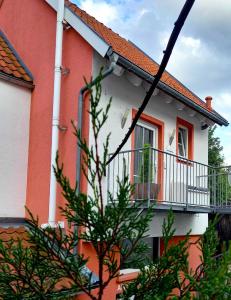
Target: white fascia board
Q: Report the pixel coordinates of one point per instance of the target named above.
(84, 30)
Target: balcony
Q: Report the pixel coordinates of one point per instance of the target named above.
(170, 181)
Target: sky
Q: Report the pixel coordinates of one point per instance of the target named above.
(202, 56)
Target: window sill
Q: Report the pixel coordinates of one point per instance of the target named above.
(127, 275)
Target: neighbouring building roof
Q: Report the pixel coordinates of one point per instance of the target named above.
(11, 65)
(13, 233)
(137, 57)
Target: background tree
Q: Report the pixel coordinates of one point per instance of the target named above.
(223, 188)
(215, 155)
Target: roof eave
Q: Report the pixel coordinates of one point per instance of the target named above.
(17, 81)
(83, 29)
(170, 91)
(6, 222)
(28, 72)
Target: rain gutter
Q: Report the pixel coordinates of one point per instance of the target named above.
(215, 117)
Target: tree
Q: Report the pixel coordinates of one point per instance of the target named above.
(47, 266)
(219, 173)
(215, 155)
(171, 278)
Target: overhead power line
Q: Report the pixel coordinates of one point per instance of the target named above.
(167, 54)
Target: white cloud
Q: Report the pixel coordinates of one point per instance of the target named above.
(201, 58)
(101, 10)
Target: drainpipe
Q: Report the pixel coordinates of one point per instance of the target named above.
(107, 72)
(56, 109)
(113, 58)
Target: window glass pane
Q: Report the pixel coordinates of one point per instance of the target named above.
(152, 253)
(183, 142)
(148, 137)
(181, 150)
(138, 137)
(179, 136)
(143, 136)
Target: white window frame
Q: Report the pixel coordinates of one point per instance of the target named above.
(184, 144)
(154, 129)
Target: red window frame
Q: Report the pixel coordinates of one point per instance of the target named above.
(160, 125)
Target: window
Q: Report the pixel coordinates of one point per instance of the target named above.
(183, 142)
(145, 136)
(152, 254)
(184, 139)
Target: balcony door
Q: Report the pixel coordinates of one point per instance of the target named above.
(145, 158)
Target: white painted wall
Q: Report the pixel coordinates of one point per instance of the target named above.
(127, 96)
(14, 140)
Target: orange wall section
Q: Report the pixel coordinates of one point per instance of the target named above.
(31, 28)
(193, 250)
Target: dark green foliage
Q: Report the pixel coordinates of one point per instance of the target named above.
(211, 280)
(159, 279)
(48, 267)
(146, 164)
(219, 174)
(215, 158)
(35, 271)
(215, 273)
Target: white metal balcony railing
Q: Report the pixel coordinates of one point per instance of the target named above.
(168, 180)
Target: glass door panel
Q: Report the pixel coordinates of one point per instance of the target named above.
(145, 159)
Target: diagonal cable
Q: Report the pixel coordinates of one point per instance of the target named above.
(167, 53)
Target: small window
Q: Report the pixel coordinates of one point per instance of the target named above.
(183, 142)
(151, 255)
(184, 139)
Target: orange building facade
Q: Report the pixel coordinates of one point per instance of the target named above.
(31, 28)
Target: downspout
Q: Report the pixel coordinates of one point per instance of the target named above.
(107, 72)
(113, 58)
(56, 110)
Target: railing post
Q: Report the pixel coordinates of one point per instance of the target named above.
(108, 181)
(149, 176)
(215, 188)
(187, 166)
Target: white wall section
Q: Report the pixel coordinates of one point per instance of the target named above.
(126, 96)
(14, 141)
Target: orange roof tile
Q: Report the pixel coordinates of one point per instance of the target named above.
(10, 62)
(129, 51)
(13, 233)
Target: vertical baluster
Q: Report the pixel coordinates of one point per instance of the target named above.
(184, 187)
(169, 179)
(199, 183)
(187, 166)
(226, 185)
(177, 165)
(149, 176)
(129, 167)
(219, 187)
(198, 202)
(204, 185)
(193, 184)
(173, 181)
(118, 169)
(113, 177)
(143, 188)
(166, 177)
(108, 181)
